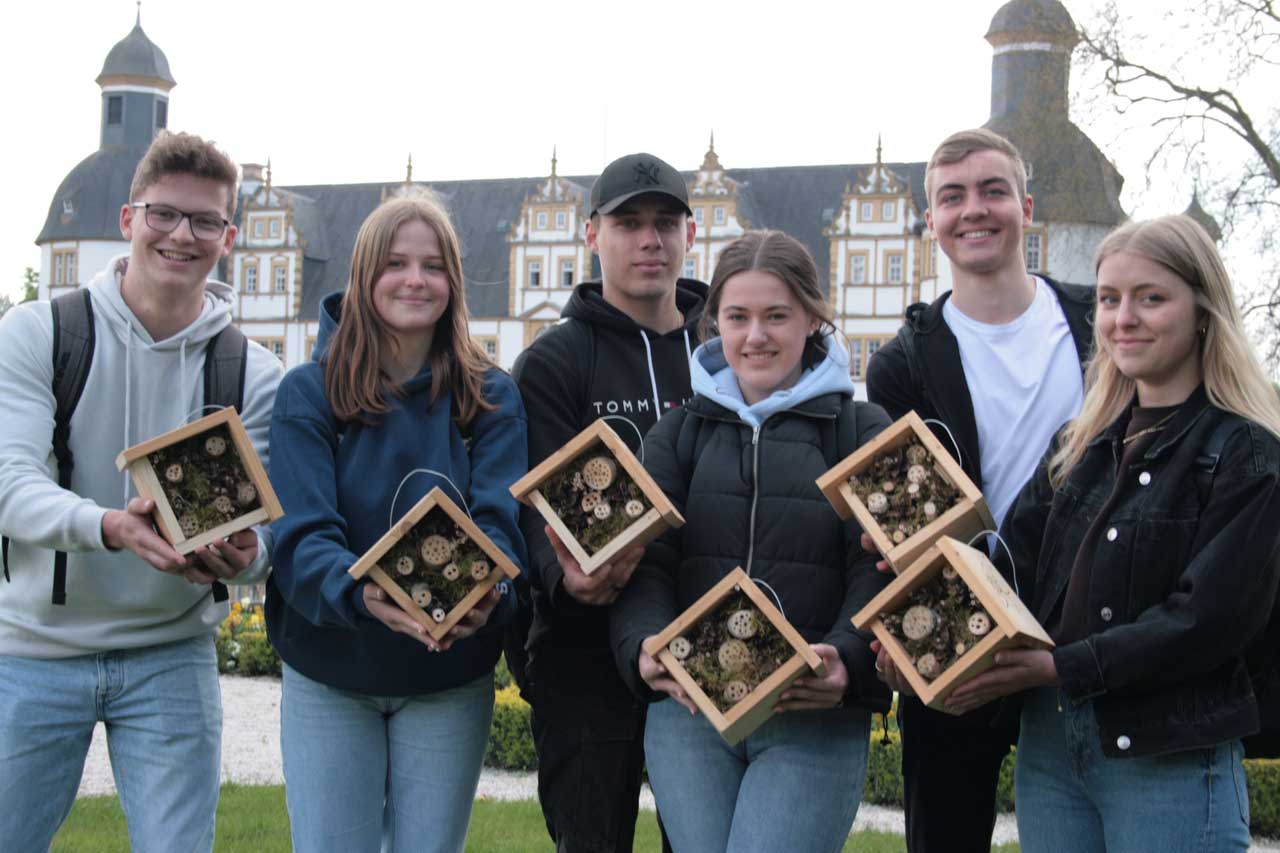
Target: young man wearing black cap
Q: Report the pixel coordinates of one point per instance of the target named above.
(621, 352)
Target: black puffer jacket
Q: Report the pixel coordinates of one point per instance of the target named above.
(720, 474)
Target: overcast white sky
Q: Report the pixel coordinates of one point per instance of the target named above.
(343, 92)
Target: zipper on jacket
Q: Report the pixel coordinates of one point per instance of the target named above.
(755, 493)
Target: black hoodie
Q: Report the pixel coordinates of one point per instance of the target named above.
(597, 362)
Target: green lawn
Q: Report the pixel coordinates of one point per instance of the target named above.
(253, 819)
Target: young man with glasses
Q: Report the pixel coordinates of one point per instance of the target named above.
(621, 352)
(129, 639)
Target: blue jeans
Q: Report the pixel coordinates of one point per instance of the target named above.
(163, 716)
(1072, 797)
(793, 784)
(368, 773)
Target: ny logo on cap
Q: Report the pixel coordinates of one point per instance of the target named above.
(646, 174)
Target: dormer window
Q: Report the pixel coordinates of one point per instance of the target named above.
(542, 221)
(68, 209)
(886, 211)
(719, 215)
(866, 212)
(562, 220)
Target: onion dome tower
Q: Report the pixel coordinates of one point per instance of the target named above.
(1071, 180)
(135, 82)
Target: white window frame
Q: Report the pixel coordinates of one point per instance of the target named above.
(535, 273)
(858, 271)
(1034, 254)
(895, 273)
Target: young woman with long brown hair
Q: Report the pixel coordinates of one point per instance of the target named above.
(383, 729)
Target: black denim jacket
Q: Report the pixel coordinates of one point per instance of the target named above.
(1179, 594)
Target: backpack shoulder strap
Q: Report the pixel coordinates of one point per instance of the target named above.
(73, 343)
(1206, 463)
(584, 336)
(225, 362)
(907, 341)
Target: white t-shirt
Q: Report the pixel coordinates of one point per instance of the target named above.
(1025, 381)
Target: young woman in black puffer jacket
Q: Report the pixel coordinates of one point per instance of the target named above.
(772, 411)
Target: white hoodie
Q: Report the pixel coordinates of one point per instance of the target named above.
(137, 389)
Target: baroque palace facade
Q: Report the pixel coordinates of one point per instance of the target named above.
(523, 237)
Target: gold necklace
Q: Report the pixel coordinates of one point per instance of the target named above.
(1156, 427)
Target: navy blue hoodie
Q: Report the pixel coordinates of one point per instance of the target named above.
(336, 484)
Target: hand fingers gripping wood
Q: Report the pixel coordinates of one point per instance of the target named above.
(389, 614)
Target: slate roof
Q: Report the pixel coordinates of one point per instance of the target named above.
(135, 55)
(1072, 180)
(96, 188)
(789, 198)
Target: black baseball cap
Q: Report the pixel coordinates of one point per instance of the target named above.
(633, 175)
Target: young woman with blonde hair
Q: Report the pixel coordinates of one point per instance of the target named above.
(1148, 547)
(382, 728)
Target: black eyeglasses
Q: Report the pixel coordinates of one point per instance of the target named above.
(165, 219)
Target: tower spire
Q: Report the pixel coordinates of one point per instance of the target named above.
(268, 175)
(137, 22)
(408, 170)
(710, 162)
(553, 161)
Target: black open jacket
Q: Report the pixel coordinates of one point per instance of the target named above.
(940, 390)
(1180, 594)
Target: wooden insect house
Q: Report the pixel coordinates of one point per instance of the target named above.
(435, 563)
(206, 480)
(906, 490)
(945, 617)
(734, 653)
(597, 497)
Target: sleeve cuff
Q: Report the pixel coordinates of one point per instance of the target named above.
(1079, 671)
(256, 571)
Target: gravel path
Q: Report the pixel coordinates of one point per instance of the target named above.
(251, 756)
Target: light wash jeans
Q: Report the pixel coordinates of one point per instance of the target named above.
(793, 784)
(368, 773)
(163, 716)
(1071, 797)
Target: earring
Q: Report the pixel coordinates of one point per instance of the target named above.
(1204, 330)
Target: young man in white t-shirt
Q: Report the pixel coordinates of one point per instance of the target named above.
(999, 360)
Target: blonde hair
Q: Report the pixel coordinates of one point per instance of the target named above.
(354, 379)
(961, 144)
(1233, 378)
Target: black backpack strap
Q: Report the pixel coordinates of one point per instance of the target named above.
(1206, 463)
(73, 342)
(907, 341)
(225, 362)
